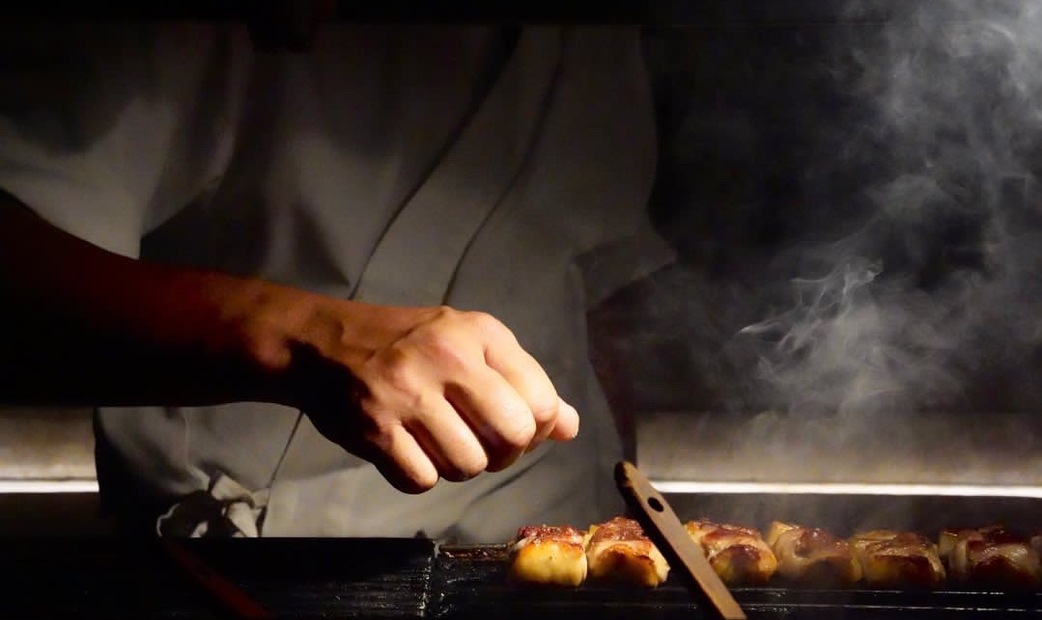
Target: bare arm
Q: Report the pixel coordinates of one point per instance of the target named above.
(87, 327)
(420, 392)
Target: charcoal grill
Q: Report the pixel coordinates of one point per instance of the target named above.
(470, 583)
(407, 579)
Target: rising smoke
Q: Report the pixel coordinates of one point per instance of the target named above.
(899, 268)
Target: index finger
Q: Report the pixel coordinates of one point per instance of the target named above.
(505, 355)
(567, 425)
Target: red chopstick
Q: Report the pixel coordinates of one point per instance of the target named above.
(225, 591)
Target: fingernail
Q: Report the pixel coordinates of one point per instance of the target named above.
(578, 418)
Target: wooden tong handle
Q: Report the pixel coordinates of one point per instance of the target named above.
(668, 533)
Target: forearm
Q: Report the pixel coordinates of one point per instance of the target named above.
(83, 326)
(422, 393)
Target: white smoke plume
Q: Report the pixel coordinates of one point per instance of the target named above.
(931, 298)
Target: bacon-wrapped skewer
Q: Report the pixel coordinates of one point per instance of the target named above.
(738, 554)
(618, 551)
(548, 555)
(812, 556)
(893, 559)
(990, 557)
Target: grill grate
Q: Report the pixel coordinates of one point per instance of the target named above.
(404, 579)
(470, 584)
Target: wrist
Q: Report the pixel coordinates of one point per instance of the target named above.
(262, 325)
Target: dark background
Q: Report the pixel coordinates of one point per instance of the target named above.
(798, 139)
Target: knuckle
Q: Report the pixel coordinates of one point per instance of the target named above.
(545, 410)
(379, 434)
(398, 372)
(440, 317)
(465, 469)
(487, 324)
(444, 312)
(419, 482)
(425, 482)
(474, 465)
(443, 344)
(444, 349)
(519, 434)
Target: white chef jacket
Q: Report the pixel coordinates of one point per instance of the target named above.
(380, 166)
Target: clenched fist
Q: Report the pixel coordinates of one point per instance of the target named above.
(422, 393)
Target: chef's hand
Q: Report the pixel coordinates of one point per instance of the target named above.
(424, 393)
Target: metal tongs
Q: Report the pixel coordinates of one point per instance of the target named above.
(667, 532)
